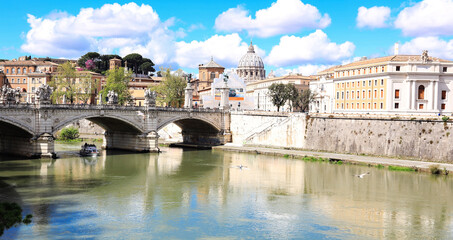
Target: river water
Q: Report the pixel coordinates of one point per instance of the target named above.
(183, 194)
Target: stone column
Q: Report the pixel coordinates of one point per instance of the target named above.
(413, 96)
(188, 96)
(224, 96)
(436, 96)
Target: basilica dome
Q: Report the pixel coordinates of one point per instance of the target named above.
(251, 66)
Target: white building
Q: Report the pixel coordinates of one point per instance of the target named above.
(399, 84)
(237, 95)
(323, 89)
(260, 90)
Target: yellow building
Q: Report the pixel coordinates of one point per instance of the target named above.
(404, 84)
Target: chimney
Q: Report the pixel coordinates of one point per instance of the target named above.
(396, 49)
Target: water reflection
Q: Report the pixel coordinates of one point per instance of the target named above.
(202, 194)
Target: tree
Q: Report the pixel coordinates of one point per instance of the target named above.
(292, 95)
(67, 83)
(117, 80)
(86, 89)
(94, 56)
(278, 94)
(147, 67)
(134, 60)
(306, 98)
(171, 90)
(104, 63)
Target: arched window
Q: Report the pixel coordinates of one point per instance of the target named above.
(421, 92)
(25, 71)
(212, 75)
(18, 71)
(13, 70)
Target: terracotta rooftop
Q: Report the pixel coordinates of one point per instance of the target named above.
(28, 63)
(211, 64)
(394, 58)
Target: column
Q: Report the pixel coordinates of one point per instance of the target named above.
(430, 104)
(188, 98)
(413, 96)
(436, 96)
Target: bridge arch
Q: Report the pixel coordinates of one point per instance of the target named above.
(107, 122)
(15, 137)
(197, 130)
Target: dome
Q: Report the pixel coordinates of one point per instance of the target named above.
(251, 59)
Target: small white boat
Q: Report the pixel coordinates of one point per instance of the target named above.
(89, 150)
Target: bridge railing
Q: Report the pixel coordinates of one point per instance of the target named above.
(106, 107)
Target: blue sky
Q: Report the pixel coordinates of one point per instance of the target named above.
(290, 35)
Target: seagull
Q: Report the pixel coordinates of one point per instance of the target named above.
(362, 175)
(241, 167)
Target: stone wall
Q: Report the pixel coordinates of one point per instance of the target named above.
(425, 139)
(420, 139)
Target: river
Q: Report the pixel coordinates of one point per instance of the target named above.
(203, 194)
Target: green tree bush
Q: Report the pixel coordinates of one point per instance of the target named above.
(69, 133)
(170, 92)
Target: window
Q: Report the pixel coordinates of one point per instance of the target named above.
(421, 92)
(338, 95)
(33, 89)
(382, 82)
(213, 75)
(420, 106)
(375, 93)
(382, 105)
(358, 94)
(444, 94)
(375, 82)
(397, 94)
(398, 68)
(374, 106)
(358, 105)
(24, 81)
(363, 94)
(363, 85)
(347, 84)
(7, 70)
(444, 69)
(338, 105)
(382, 93)
(342, 106)
(442, 106)
(342, 85)
(352, 94)
(397, 105)
(12, 80)
(352, 84)
(342, 95)
(369, 105)
(369, 83)
(347, 94)
(363, 105)
(358, 84)
(25, 70)
(13, 71)
(33, 80)
(347, 105)
(18, 71)
(383, 69)
(369, 94)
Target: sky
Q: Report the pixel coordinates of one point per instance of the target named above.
(289, 35)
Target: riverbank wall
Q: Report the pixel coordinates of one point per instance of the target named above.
(418, 138)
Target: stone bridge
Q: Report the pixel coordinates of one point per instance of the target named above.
(29, 130)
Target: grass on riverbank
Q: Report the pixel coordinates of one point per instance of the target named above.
(77, 140)
(403, 169)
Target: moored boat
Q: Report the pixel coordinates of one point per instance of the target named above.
(89, 150)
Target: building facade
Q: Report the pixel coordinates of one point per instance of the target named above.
(401, 84)
(260, 90)
(251, 66)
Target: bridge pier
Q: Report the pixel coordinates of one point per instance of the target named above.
(137, 142)
(43, 146)
(203, 138)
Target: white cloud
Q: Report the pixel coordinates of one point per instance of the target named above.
(374, 17)
(226, 50)
(426, 18)
(102, 29)
(437, 47)
(314, 48)
(306, 70)
(282, 17)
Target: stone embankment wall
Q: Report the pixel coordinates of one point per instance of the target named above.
(246, 126)
(425, 139)
(420, 139)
